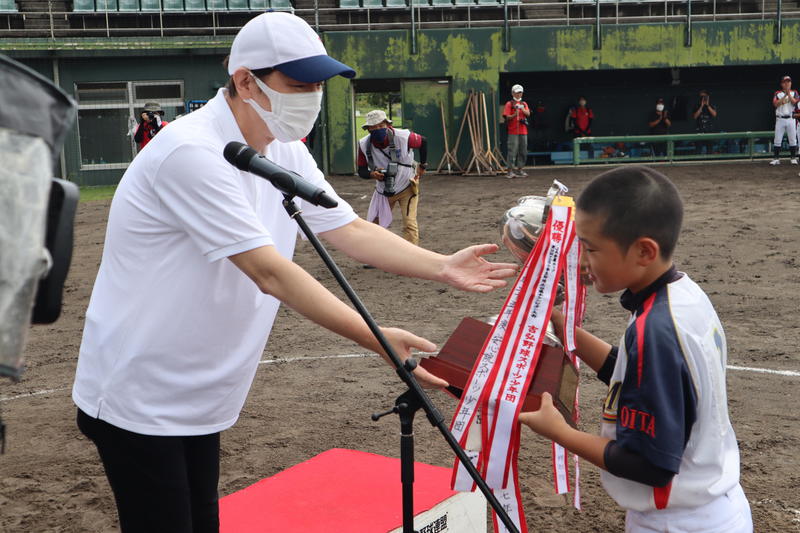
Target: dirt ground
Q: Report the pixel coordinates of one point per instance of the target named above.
(740, 242)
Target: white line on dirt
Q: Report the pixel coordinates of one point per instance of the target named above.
(790, 373)
(765, 370)
(29, 394)
(315, 358)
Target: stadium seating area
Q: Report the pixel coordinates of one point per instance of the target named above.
(58, 18)
(379, 4)
(133, 6)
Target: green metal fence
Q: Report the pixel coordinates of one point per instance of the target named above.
(673, 148)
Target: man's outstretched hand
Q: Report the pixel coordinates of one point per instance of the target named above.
(469, 271)
(403, 342)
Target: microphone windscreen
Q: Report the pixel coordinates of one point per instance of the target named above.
(238, 154)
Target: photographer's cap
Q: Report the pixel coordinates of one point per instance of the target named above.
(786, 78)
(375, 117)
(286, 43)
(516, 89)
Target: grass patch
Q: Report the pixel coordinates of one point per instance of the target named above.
(97, 193)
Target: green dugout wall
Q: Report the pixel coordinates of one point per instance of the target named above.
(474, 59)
(195, 64)
(738, 60)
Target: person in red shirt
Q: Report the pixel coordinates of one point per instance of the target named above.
(386, 156)
(581, 118)
(516, 113)
(151, 123)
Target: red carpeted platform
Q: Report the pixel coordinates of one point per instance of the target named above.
(338, 491)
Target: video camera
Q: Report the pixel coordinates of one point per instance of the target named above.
(36, 222)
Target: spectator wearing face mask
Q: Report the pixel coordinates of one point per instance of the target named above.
(516, 113)
(704, 115)
(386, 155)
(659, 124)
(580, 121)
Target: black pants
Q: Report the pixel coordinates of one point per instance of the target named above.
(161, 484)
(698, 147)
(659, 149)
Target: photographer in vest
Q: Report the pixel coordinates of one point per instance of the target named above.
(386, 155)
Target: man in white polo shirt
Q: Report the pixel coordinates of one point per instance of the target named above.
(197, 259)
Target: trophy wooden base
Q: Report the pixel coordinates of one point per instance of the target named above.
(554, 372)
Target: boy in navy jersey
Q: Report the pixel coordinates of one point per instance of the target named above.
(666, 446)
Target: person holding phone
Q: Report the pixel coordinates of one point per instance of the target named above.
(659, 124)
(704, 115)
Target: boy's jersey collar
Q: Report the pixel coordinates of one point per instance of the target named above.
(632, 301)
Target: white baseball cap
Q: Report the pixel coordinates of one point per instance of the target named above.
(286, 43)
(375, 117)
(516, 89)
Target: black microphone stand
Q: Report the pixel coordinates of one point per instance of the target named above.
(408, 403)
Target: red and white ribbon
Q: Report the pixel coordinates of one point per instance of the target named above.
(560, 469)
(572, 295)
(501, 376)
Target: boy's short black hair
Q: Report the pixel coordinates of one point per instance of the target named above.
(635, 201)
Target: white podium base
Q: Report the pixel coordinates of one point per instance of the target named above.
(464, 512)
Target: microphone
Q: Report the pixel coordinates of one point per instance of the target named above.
(245, 158)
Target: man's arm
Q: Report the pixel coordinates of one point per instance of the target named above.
(653, 123)
(697, 111)
(712, 110)
(374, 245)
(420, 143)
(526, 110)
(423, 150)
(361, 165)
(776, 102)
(286, 281)
(139, 135)
(363, 169)
(667, 121)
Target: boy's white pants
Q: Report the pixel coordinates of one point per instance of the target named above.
(730, 513)
(788, 127)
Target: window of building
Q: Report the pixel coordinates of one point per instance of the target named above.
(110, 112)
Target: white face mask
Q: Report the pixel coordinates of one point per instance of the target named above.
(518, 99)
(659, 107)
(293, 114)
